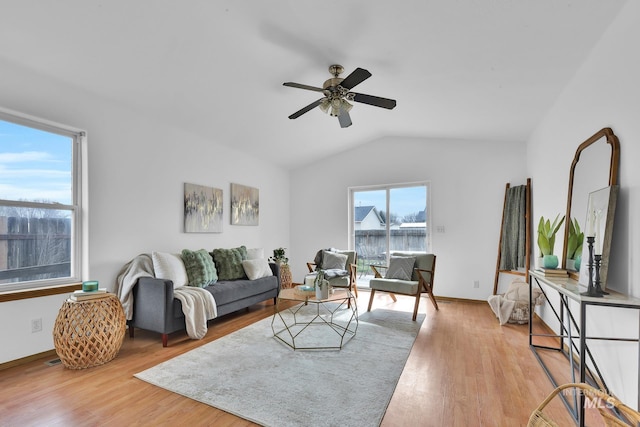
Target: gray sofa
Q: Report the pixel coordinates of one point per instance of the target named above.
(155, 308)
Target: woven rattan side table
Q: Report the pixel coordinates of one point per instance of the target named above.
(89, 333)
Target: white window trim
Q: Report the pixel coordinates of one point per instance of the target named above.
(388, 187)
(79, 256)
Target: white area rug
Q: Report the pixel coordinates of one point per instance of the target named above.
(254, 376)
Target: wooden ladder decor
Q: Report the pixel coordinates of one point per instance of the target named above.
(527, 237)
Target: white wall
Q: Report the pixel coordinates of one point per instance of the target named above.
(137, 169)
(604, 93)
(467, 193)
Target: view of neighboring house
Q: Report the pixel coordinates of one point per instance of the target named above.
(420, 221)
(368, 218)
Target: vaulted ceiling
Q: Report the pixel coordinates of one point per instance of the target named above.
(472, 69)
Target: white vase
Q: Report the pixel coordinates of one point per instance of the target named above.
(322, 291)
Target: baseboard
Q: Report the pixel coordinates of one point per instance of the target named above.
(543, 324)
(465, 300)
(440, 298)
(28, 359)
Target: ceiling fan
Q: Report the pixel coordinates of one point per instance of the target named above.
(337, 93)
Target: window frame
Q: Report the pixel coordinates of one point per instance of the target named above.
(76, 207)
(388, 188)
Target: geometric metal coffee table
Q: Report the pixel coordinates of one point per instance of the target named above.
(325, 324)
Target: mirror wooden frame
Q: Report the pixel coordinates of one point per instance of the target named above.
(612, 140)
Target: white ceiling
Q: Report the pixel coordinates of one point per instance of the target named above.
(472, 69)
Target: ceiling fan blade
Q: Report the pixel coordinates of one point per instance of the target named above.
(301, 86)
(305, 109)
(375, 100)
(344, 119)
(355, 78)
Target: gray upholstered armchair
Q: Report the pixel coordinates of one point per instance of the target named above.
(335, 259)
(408, 273)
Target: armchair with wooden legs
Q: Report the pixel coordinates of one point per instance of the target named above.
(418, 278)
(335, 261)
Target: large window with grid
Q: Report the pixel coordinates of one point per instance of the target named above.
(40, 203)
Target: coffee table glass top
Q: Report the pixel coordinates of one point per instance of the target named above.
(292, 294)
(315, 324)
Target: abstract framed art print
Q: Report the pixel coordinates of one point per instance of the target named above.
(245, 205)
(202, 209)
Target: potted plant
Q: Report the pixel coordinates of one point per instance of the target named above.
(280, 258)
(574, 245)
(547, 239)
(322, 285)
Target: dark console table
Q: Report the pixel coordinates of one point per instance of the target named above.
(572, 329)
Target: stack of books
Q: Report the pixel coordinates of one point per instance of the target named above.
(554, 272)
(88, 295)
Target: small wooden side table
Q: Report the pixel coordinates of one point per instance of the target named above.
(89, 333)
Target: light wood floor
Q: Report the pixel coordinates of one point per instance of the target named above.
(464, 370)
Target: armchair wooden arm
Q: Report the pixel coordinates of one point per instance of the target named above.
(353, 268)
(376, 273)
(310, 266)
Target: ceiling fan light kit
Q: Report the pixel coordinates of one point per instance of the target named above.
(334, 106)
(337, 93)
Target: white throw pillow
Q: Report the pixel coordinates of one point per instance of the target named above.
(255, 253)
(170, 266)
(256, 268)
(400, 268)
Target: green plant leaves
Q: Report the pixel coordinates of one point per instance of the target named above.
(576, 237)
(547, 234)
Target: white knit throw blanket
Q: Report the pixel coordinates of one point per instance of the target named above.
(198, 306)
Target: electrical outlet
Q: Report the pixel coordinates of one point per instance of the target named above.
(476, 283)
(440, 228)
(36, 325)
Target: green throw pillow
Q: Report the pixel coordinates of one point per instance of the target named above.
(201, 271)
(229, 262)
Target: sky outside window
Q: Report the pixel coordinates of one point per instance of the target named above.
(34, 165)
(405, 200)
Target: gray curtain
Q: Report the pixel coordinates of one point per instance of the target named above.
(513, 242)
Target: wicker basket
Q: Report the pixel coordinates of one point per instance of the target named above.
(89, 333)
(286, 279)
(520, 313)
(602, 402)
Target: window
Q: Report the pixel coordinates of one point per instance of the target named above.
(40, 209)
(388, 218)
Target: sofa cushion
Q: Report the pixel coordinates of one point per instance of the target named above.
(400, 268)
(256, 268)
(226, 292)
(229, 262)
(201, 271)
(169, 266)
(408, 287)
(333, 261)
(255, 253)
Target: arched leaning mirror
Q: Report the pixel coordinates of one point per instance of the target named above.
(594, 166)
